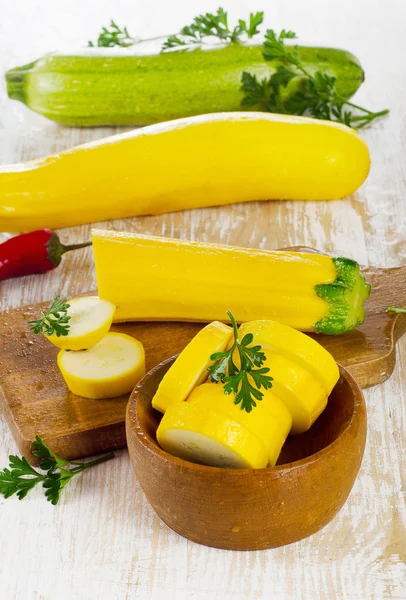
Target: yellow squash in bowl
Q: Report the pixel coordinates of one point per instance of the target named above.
(182, 164)
(212, 427)
(190, 368)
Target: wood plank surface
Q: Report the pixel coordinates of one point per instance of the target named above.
(36, 399)
(104, 541)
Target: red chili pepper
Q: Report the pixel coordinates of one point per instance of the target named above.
(35, 252)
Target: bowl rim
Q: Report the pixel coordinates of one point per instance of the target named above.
(359, 412)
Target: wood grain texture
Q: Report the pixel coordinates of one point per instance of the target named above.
(251, 509)
(104, 541)
(36, 399)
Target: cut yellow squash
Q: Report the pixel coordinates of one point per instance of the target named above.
(162, 279)
(190, 368)
(198, 161)
(203, 435)
(109, 369)
(298, 388)
(304, 373)
(302, 349)
(90, 320)
(270, 420)
(210, 428)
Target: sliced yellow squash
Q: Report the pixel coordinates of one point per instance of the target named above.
(292, 344)
(203, 435)
(90, 320)
(109, 369)
(303, 372)
(302, 393)
(190, 368)
(270, 421)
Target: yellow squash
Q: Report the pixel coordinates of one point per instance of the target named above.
(210, 428)
(187, 163)
(110, 368)
(281, 340)
(304, 373)
(270, 420)
(161, 279)
(90, 319)
(206, 436)
(190, 368)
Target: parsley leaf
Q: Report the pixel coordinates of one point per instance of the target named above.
(312, 95)
(214, 25)
(274, 47)
(50, 461)
(173, 41)
(256, 19)
(202, 26)
(55, 320)
(268, 94)
(244, 381)
(115, 36)
(54, 484)
(20, 478)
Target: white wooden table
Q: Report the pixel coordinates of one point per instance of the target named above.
(103, 541)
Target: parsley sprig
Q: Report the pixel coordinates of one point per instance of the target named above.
(54, 320)
(239, 381)
(113, 36)
(312, 95)
(20, 478)
(214, 25)
(202, 26)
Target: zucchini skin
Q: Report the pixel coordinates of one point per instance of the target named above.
(92, 90)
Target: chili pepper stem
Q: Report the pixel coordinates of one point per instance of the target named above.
(75, 247)
(56, 250)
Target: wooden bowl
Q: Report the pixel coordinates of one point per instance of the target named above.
(251, 509)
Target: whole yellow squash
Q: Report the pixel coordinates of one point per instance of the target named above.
(182, 164)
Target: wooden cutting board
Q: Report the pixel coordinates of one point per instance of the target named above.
(35, 399)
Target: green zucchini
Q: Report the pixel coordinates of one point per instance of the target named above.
(101, 88)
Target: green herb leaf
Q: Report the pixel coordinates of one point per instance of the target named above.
(21, 477)
(312, 95)
(274, 47)
(256, 19)
(55, 320)
(50, 461)
(239, 381)
(268, 94)
(214, 25)
(173, 41)
(54, 484)
(113, 36)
